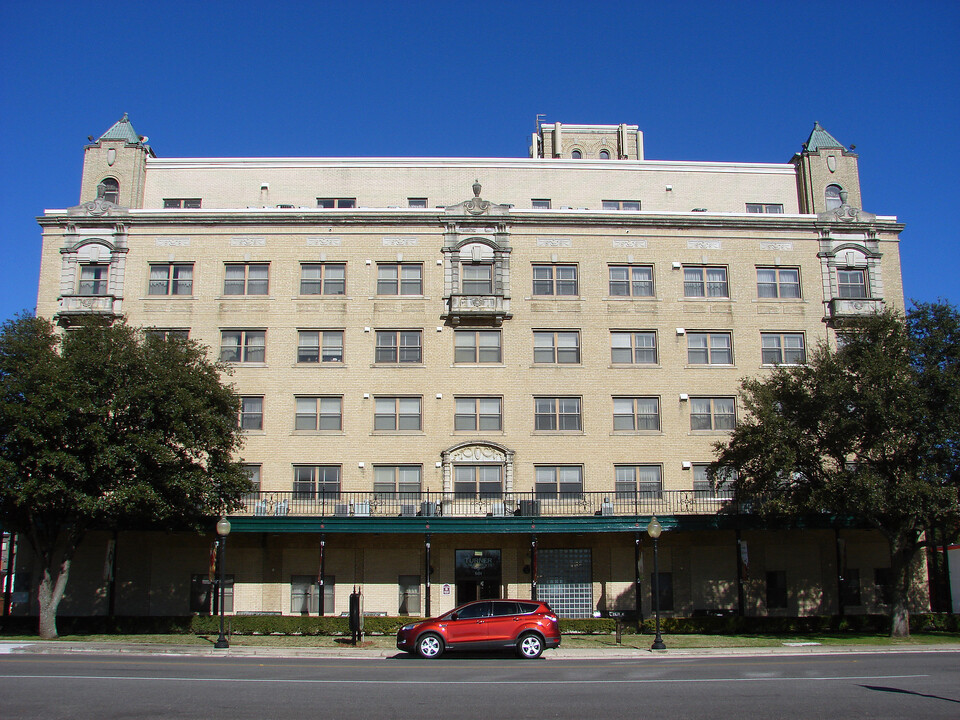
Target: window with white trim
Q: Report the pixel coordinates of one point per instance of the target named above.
(478, 413)
(93, 279)
(631, 280)
(557, 413)
(477, 346)
(399, 346)
(316, 480)
(643, 480)
(563, 481)
(556, 346)
(397, 480)
(399, 279)
(633, 347)
(251, 412)
(478, 481)
(778, 282)
(852, 284)
(559, 280)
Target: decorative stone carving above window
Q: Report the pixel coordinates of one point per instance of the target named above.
(91, 275)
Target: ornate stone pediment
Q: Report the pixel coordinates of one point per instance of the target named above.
(98, 207)
(846, 213)
(478, 454)
(477, 206)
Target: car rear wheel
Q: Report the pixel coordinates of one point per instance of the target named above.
(430, 646)
(529, 646)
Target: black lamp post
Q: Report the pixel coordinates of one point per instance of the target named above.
(223, 529)
(653, 530)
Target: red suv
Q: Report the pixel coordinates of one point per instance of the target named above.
(528, 626)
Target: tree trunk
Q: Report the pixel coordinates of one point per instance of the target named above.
(54, 573)
(903, 551)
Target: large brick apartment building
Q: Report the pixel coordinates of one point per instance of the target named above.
(480, 377)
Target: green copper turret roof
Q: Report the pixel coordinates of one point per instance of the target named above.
(122, 130)
(820, 138)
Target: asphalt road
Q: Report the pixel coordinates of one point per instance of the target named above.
(104, 687)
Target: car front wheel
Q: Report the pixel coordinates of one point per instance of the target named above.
(529, 646)
(430, 646)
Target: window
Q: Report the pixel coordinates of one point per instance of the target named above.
(852, 283)
(704, 489)
(399, 279)
(323, 278)
(246, 279)
(171, 279)
(557, 413)
(111, 190)
(560, 347)
(205, 596)
(633, 348)
(477, 481)
(253, 475)
(316, 480)
(776, 589)
(399, 346)
(319, 413)
(540, 203)
(709, 348)
(251, 413)
(775, 208)
(320, 346)
(478, 413)
(831, 196)
(477, 279)
(476, 346)
(701, 281)
(782, 348)
(417, 202)
(246, 346)
(631, 280)
(664, 583)
(604, 154)
(397, 413)
(778, 282)
(305, 594)
(167, 334)
(564, 481)
(389, 480)
(643, 479)
(336, 202)
(555, 280)
(93, 279)
(850, 587)
(636, 413)
(576, 154)
(409, 589)
(176, 203)
(713, 413)
(620, 204)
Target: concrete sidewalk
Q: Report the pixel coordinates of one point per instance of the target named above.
(350, 652)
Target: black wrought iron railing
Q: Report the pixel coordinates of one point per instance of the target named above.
(427, 504)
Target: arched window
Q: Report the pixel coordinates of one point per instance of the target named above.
(576, 155)
(832, 194)
(111, 190)
(604, 154)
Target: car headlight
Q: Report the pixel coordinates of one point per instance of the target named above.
(411, 626)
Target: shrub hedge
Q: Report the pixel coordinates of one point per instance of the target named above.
(337, 625)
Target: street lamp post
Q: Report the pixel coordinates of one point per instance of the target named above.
(223, 529)
(653, 530)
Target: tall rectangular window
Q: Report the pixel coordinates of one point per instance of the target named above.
(852, 284)
(253, 475)
(705, 489)
(713, 413)
(320, 346)
(397, 413)
(409, 589)
(246, 279)
(397, 480)
(776, 590)
(782, 348)
(631, 280)
(171, 279)
(399, 346)
(636, 413)
(477, 346)
(643, 479)
(242, 346)
(399, 279)
(555, 280)
(556, 346)
(564, 481)
(633, 347)
(705, 281)
(316, 480)
(476, 279)
(709, 348)
(775, 282)
(251, 413)
(323, 278)
(319, 413)
(557, 413)
(93, 279)
(478, 481)
(478, 413)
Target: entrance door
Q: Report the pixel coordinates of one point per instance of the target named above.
(477, 575)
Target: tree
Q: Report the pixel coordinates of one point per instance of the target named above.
(871, 430)
(104, 427)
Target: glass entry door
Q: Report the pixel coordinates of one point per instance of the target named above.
(477, 575)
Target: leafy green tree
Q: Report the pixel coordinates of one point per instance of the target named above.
(871, 430)
(104, 427)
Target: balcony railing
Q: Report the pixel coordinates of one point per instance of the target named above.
(88, 305)
(492, 307)
(530, 504)
(850, 307)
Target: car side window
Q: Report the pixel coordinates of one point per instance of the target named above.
(477, 610)
(528, 607)
(505, 608)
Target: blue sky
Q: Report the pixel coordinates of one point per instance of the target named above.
(703, 80)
